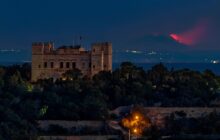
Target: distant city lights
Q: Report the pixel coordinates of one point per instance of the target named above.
(133, 51)
(9, 50)
(215, 61)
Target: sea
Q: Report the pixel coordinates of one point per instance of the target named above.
(201, 67)
(215, 68)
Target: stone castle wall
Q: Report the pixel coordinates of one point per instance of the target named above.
(48, 62)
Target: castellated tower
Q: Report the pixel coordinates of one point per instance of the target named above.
(39, 50)
(101, 55)
(48, 62)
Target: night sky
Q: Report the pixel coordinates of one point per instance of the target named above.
(187, 27)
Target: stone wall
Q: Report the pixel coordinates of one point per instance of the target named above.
(70, 124)
(191, 112)
(103, 137)
(158, 114)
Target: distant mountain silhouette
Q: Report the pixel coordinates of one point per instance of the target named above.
(165, 49)
(161, 43)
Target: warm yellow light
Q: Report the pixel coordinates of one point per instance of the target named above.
(136, 117)
(135, 130)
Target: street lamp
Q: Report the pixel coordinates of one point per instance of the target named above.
(135, 123)
(136, 117)
(129, 134)
(135, 130)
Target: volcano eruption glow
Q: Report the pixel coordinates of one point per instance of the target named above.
(192, 36)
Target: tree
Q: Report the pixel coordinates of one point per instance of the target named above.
(74, 74)
(157, 74)
(94, 105)
(102, 79)
(2, 73)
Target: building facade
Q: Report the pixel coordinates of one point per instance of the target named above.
(48, 62)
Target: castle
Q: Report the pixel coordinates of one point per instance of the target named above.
(48, 62)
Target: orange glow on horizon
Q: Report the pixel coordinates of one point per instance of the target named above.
(192, 36)
(174, 36)
(181, 39)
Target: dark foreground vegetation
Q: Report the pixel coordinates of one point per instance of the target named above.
(81, 98)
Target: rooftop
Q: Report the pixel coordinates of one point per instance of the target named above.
(70, 47)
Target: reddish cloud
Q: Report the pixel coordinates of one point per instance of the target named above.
(193, 36)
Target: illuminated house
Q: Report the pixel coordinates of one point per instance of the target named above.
(48, 62)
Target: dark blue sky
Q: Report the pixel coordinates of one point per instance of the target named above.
(128, 24)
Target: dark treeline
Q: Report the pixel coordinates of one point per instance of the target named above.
(82, 98)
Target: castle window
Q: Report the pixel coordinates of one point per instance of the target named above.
(73, 65)
(67, 65)
(93, 50)
(105, 66)
(93, 66)
(90, 65)
(51, 64)
(45, 64)
(61, 64)
(39, 66)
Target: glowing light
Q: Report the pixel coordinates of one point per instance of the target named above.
(136, 122)
(175, 37)
(135, 130)
(215, 61)
(152, 53)
(9, 50)
(133, 51)
(192, 36)
(29, 87)
(182, 39)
